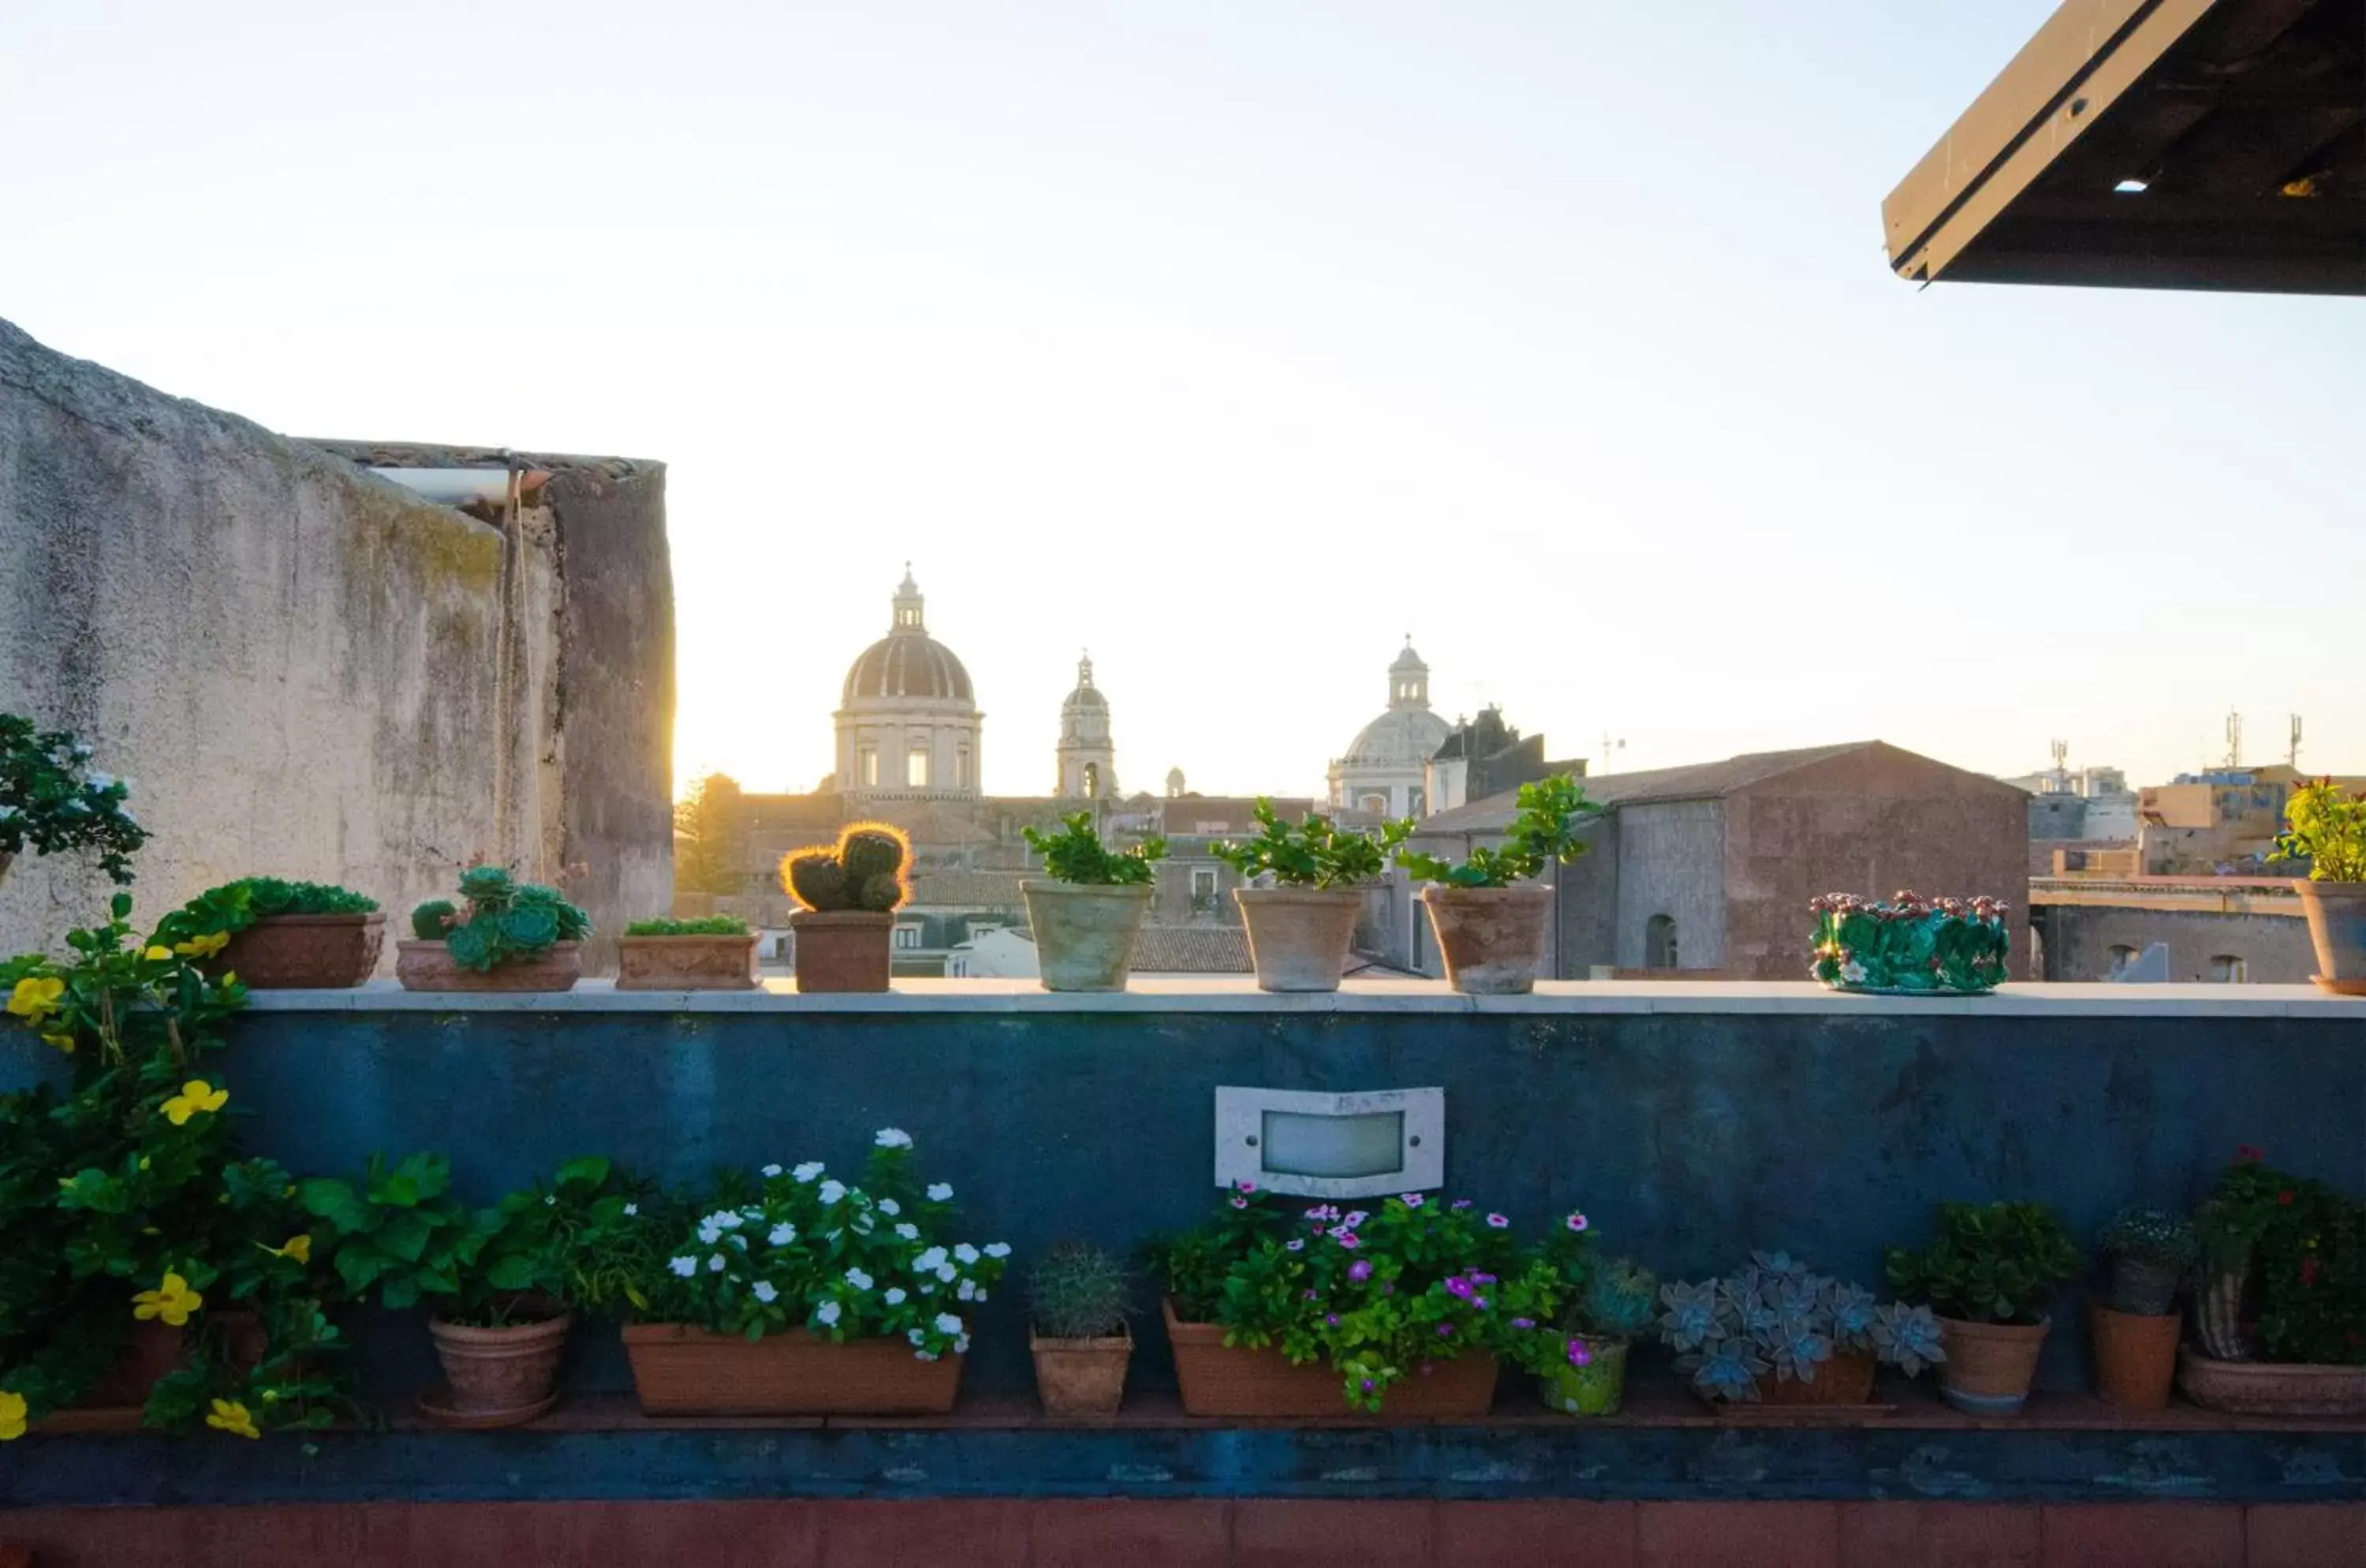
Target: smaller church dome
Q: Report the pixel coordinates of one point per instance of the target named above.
(1087, 695)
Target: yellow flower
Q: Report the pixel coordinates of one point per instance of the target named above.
(158, 956)
(174, 1301)
(196, 1094)
(229, 1416)
(35, 998)
(12, 1416)
(64, 1043)
(299, 1247)
(202, 946)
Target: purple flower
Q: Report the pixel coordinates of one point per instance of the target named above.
(1359, 1271)
(1368, 1385)
(1245, 1186)
(1575, 1222)
(1461, 1203)
(1322, 1212)
(1388, 1288)
(1478, 1278)
(1579, 1355)
(1295, 1244)
(1332, 1318)
(1312, 1295)
(1411, 1200)
(1524, 1323)
(1444, 1329)
(1498, 1222)
(1457, 1286)
(1348, 1240)
(1353, 1218)
(1479, 1301)
(1316, 1229)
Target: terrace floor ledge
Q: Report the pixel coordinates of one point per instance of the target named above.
(1240, 995)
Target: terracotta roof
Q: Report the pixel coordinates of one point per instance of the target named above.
(1700, 780)
(1191, 950)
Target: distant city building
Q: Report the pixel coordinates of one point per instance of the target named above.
(2223, 822)
(1384, 769)
(1485, 756)
(1087, 757)
(2228, 930)
(908, 726)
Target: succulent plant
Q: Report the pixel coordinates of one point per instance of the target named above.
(1077, 1291)
(1776, 1317)
(2152, 1251)
(502, 921)
(864, 870)
(1907, 1337)
(432, 921)
(1618, 1300)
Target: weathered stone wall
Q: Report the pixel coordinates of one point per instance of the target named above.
(2080, 939)
(1671, 863)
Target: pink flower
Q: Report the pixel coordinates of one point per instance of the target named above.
(1245, 1186)
(1318, 1230)
(1579, 1355)
(1348, 1239)
(1498, 1222)
(1359, 1271)
(1240, 1203)
(1311, 1295)
(1576, 1222)
(1353, 1218)
(1411, 1200)
(1295, 1244)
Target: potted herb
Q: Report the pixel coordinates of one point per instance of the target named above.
(2328, 831)
(1077, 1296)
(2149, 1253)
(283, 935)
(803, 1295)
(1583, 1370)
(504, 935)
(1085, 917)
(1492, 919)
(52, 800)
(1988, 1275)
(1909, 945)
(713, 953)
(1302, 916)
(1774, 1331)
(847, 898)
(2281, 1301)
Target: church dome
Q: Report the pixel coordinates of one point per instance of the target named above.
(908, 661)
(1399, 738)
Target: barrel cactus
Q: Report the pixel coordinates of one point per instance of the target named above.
(864, 870)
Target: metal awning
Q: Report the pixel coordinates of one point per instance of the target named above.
(2156, 144)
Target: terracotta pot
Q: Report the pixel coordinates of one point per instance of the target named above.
(687, 962)
(842, 950)
(1989, 1365)
(1081, 1377)
(1594, 1389)
(2135, 1355)
(291, 952)
(153, 1349)
(497, 1377)
(2272, 1388)
(1846, 1379)
(1221, 1380)
(2337, 927)
(1492, 939)
(428, 966)
(681, 1371)
(1299, 937)
(1084, 936)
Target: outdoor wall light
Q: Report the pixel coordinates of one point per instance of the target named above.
(1332, 1146)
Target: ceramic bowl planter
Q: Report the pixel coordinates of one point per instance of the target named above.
(1491, 938)
(1909, 946)
(1594, 1389)
(496, 1377)
(305, 951)
(2337, 928)
(429, 967)
(2272, 1388)
(1223, 1379)
(681, 1371)
(1299, 937)
(1990, 1366)
(1082, 1376)
(842, 950)
(1085, 933)
(709, 963)
(2136, 1356)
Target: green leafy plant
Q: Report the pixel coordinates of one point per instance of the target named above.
(1543, 833)
(235, 906)
(705, 925)
(1076, 855)
(2152, 1251)
(2326, 828)
(868, 868)
(501, 921)
(1316, 852)
(52, 800)
(1193, 1265)
(1990, 1263)
(2299, 1247)
(1077, 1291)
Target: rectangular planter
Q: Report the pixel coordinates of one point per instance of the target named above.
(681, 1371)
(1221, 1380)
(686, 962)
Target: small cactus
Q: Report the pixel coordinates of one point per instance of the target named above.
(1621, 1299)
(502, 920)
(864, 871)
(431, 921)
(1077, 1291)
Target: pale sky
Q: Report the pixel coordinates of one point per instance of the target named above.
(1233, 340)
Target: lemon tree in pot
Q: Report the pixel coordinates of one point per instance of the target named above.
(504, 935)
(847, 898)
(1086, 914)
(2148, 1253)
(1988, 1275)
(1310, 887)
(2328, 829)
(52, 800)
(1491, 917)
(1076, 1300)
(283, 935)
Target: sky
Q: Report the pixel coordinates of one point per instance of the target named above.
(1233, 341)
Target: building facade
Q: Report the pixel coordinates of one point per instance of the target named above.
(1087, 757)
(1384, 769)
(909, 727)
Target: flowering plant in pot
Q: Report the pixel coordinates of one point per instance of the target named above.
(1085, 917)
(2280, 1297)
(1909, 945)
(2328, 829)
(283, 935)
(847, 897)
(1491, 918)
(1077, 1297)
(715, 952)
(1774, 1331)
(52, 801)
(802, 1294)
(1581, 1362)
(504, 935)
(1989, 1274)
(1311, 879)
(2149, 1253)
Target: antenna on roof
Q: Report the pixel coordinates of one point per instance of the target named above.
(2234, 739)
(1608, 746)
(2292, 752)
(2061, 754)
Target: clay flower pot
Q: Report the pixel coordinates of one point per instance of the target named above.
(281, 952)
(681, 1371)
(842, 950)
(1492, 939)
(1846, 1379)
(2136, 1356)
(708, 962)
(2272, 1388)
(1084, 936)
(1218, 1378)
(2337, 927)
(496, 1377)
(1594, 1389)
(1299, 937)
(428, 966)
(1081, 1377)
(1990, 1366)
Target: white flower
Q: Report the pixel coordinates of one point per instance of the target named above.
(960, 1346)
(924, 1355)
(908, 1231)
(981, 1295)
(892, 1138)
(894, 1296)
(858, 1279)
(807, 1171)
(726, 1219)
(947, 1273)
(916, 1336)
(740, 1242)
(709, 1235)
(928, 1288)
(632, 1210)
(832, 1191)
(684, 1267)
(998, 1250)
(551, 1202)
(967, 1253)
(827, 1313)
(1853, 972)
(102, 781)
(968, 1290)
(930, 1261)
(939, 1191)
(714, 1264)
(6, 812)
(948, 1324)
(771, 1170)
(783, 1234)
(889, 1207)
(765, 1291)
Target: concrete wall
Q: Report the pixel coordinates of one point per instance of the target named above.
(2080, 939)
(1672, 861)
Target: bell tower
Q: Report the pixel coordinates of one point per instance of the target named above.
(1087, 758)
